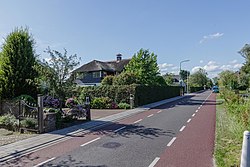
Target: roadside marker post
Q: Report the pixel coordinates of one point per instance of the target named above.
(245, 154)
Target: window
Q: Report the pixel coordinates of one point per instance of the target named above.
(97, 74)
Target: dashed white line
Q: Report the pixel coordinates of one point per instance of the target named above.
(182, 128)
(196, 110)
(188, 120)
(193, 115)
(138, 121)
(119, 129)
(154, 162)
(90, 142)
(199, 108)
(44, 162)
(171, 141)
(159, 111)
(150, 115)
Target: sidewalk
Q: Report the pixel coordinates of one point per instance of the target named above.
(44, 140)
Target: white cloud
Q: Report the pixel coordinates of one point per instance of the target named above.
(174, 68)
(233, 61)
(201, 61)
(195, 69)
(165, 65)
(237, 66)
(211, 36)
(211, 66)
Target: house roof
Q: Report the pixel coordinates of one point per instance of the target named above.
(111, 66)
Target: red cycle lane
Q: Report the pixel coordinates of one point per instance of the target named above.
(194, 146)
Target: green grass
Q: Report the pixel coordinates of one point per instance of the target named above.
(229, 134)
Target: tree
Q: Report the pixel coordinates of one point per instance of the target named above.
(17, 64)
(228, 79)
(245, 52)
(245, 69)
(169, 78)
(199, 78)
(108, 80)
(58, 70)
(125, 78)
(184, 74)
(144, 65)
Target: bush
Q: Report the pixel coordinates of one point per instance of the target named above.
(28, 123)
(9, 121)
(123, 105)
(101, 103)
(26, 98)
(196, 89)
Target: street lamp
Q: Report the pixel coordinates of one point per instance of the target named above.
(180, 68)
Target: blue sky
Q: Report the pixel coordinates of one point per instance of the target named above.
(208, 33)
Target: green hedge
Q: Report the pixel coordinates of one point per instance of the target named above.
(196, 89)
(121, 93)
(149, 94)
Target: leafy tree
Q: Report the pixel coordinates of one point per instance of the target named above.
(144, 66)
(245, 69)
(199, 78)
(169, 78)
(108, 80)
(215, 80)
(228, 79)
(126, 78)
(17, 64)
(245, 52)
(184, 74)
(58, 70)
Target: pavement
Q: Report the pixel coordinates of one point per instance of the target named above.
(23, 147)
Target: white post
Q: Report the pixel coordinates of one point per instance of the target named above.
(245, 154)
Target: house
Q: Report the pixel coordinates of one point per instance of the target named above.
(92, 73)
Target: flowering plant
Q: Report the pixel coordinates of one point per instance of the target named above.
(49, 101)
(71, 102)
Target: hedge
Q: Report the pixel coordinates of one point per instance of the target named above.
(196, 89)
(121, 93)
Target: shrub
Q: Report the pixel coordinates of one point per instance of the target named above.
(123, 105)
(9, 121)
(27, 98)
(29, 123)
(101, 103)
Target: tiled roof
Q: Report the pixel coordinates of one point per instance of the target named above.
(95, 65)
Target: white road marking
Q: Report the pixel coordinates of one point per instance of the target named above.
(199, 108)
(90, 142)
(196, 110)
(193, 115)
(159, 111)
(154, 162)
(182, 128)
(119, 129)
(138, 121)
(171, 141)
(150, 115)
(189, 120)
(44, 162)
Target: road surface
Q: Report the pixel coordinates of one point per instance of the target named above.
(177, 134)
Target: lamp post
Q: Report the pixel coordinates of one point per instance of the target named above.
(180, 68)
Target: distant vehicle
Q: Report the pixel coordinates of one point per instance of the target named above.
(215, 89)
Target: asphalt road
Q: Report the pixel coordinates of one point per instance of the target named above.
(156, 137)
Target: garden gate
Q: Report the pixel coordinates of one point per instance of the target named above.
(31, 116)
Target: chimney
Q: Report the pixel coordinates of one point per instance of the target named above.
(119, 57)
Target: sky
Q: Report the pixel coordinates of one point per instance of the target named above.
(208, 33)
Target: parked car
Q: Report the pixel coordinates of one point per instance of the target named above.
(215, 89)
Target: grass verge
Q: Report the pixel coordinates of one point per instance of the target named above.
(229, 134)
